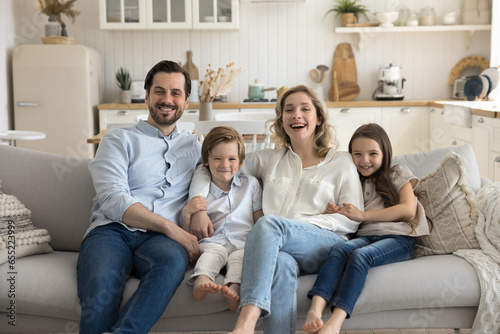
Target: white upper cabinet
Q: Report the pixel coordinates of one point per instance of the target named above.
(169, 14)
(215, 14)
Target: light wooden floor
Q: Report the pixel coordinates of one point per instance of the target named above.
(374, 331)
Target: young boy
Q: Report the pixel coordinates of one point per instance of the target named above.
(234, 204)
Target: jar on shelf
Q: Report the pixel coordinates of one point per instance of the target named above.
(403, 16)
(412, 19)
(427, 17)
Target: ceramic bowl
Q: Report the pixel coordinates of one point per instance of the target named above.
(386, 18)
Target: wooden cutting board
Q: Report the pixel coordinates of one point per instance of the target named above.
(344, 63)
(190, 67)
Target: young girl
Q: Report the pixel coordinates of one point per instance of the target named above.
(392, 219)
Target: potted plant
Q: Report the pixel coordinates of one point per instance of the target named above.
(124, 81)
(54, 9)
(349, 11)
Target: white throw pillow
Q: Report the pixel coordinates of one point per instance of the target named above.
(450, 209)
(18, 236)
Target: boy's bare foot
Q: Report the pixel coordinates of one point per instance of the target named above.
(204, 285)
(313, 322)
(232, 295)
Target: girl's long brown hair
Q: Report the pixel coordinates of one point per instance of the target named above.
(381, 178)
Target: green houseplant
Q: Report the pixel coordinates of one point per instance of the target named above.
(124, 81)
(349, 11)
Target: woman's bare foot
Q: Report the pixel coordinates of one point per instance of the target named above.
(231, 293)
(204, 285)
(247, 320)
(313, 322)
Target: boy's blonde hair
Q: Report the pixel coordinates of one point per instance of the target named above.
(222, 134)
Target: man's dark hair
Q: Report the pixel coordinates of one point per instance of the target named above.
(167, 66)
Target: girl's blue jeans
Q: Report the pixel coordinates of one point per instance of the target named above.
(343, 275)
(276, 251)
(109, 254)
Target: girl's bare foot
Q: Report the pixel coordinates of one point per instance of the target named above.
(334, 324)
(204, 285)
(313, 322)
(232, 295)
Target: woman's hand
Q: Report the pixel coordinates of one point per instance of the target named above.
(352, 212)
(332, 208)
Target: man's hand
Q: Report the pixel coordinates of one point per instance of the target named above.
(201, 225)
(188, 241)
(352, 212)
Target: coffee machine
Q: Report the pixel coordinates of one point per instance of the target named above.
(390, 84)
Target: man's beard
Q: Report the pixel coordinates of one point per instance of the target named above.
(161, 120)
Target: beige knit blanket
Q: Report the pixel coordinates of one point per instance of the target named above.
(486, 260)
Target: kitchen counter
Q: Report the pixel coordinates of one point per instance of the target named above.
(490, 111)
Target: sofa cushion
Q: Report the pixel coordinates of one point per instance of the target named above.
(18, 236)
(423, 163)
(450, 207)
(57, 189)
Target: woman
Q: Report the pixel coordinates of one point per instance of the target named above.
(295, 235)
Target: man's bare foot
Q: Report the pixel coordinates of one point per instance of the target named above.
(232, 295)
(313, 322)
(204, 285)
(247, 320)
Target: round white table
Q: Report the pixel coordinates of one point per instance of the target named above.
(12, 135)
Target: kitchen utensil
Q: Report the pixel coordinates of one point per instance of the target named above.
(138, 91)
(458, 88)
(473, 88)
(344, 63)
(348, 90)
(427, 16)
(450, 18)
(281, 90)
(386, 18)
(334, 92)
(190, 67)
(322, 69)
(257, 91)
(314, 75)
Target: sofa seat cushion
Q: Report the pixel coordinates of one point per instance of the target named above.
(46, 286)
(438, 281)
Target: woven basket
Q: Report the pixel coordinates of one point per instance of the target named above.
(58, 40)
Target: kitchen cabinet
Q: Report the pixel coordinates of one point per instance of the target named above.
(347, 120)
(407, 127)
(482, 130)
(495, 151)
(117, 118)
(215, 14)
(444, 134)
(168, 14)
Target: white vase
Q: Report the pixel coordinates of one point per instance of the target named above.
(52, 28)
(206, 111)
(125, 96)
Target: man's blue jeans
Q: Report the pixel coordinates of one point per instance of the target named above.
(276, 252)
(343, 275)
(108, 256)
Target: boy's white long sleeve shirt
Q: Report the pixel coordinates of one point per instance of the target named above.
(293, 192)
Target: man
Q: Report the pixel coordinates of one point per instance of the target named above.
(141, 176)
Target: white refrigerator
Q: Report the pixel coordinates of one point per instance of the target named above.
(57, 89)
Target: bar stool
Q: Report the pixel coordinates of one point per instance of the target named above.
(11, 136)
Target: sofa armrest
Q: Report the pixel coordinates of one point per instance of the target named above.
(485, 181)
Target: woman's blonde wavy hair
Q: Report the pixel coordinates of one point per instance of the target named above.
(324, 138)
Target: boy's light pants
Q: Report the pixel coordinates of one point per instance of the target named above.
(214, 257)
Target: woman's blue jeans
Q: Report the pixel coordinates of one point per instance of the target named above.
(276, 251)
(109, 254)
(343, 275)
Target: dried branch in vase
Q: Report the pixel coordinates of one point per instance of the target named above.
(218, 82)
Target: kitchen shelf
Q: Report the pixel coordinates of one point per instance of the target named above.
(468, 29)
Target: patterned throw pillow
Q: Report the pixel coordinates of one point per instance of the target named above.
(450, 209)
(18, 236)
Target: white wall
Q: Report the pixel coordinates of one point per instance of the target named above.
(278, 44)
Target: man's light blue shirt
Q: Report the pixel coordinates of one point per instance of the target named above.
(139, 164)
(231, 212)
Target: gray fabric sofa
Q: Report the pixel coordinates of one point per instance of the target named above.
(439, 291)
